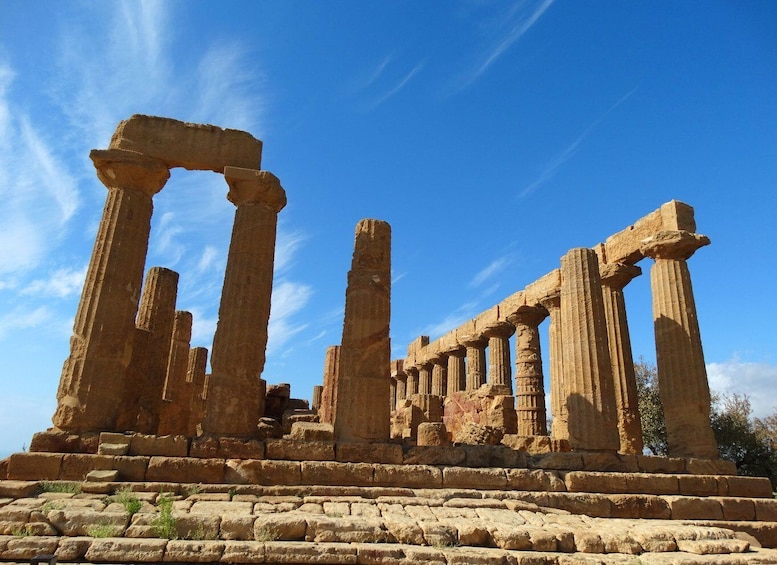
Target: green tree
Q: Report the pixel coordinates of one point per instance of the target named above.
(651, 411)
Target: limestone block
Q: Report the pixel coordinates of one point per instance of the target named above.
(243, 552)
(34, 466)
(463, 477)
(102, 476)
(324, 529)
(597, 505)
(191, 146)
(76, 466)
(282, 526)
(435, 455)
(369, 453)
(369, 554)
(194, 551)
(72, 548)
(113, 449)
(262, 472)
(298, 552)
(185, 470)
(115, 550)
(654, 539)
(290, 417)
(695, 508)
(410, 476)
(78, 522)
(558, 461)
(765, 510)
(698, 485)
(18, 489)
(644, 483)
(432, 433)
(294, 450)
(610, 462)
(167, 446)
(528, 479)
(639, 506)
(586, 481)
(438, 534)
(131, 468)
(335, 473)
(712, 547)
(656, 464)
(749, 487)
(545, 286)
(311, 431)
(58, 441)
(29, 546)
(737, 508)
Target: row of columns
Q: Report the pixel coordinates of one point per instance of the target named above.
(120, 354)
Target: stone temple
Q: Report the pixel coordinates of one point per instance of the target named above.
(446, 456)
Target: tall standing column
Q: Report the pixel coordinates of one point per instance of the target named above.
(412, 381)
(235, 400)
(593, 423)
(331, 374)
(195, 374)
(615, 276)
(174, 414)
(457, 371)
(93, 375)
(529, 385)
(499, 372)
(476, 361)
(558, 397)
(439, 374)
(362, 412)
(425, 378)
(682, 376)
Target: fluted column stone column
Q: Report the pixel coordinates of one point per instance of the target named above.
(235, 400)
(615, 276)
(499, 372)
(682, 375)
(457, 371)
(592, 417)
(196, 375)
(558, 397)
(476, 361)
(398, 373)
(331, 374)
(174, 413)
(317, 391)
(425, 378)
(439, 374)
(529, 384)
(412, 381)
(93, 375)
(362, 413)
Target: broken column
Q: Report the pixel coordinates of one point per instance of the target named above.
(529, 385)
(558, 397)
(235, 401)
(362, 412)
(682, 376)
(329, 394)
(174, 413)
(615, 276)
(592, 419)
(101, 345)
(317, 391)
(499, 372)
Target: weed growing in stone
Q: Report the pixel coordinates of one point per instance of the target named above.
(128, 500)
(103, 531)
(266, 533)
(58, 486)
(164, 523)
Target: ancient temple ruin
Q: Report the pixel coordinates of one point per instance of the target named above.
(444, 456)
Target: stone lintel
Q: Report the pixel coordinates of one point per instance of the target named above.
(398, 369)
(499, 329)
(618, 275)
(191, 146)
(673, 244)
(542, 287)
(625, 246)
(529, 315)
(486, 319)
(418, 343)
(127, 169)
(249, 186)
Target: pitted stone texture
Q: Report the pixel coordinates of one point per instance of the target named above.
(487, 407)
(329, 393)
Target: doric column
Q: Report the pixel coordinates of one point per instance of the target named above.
(558, 397)
(195, 374)
(398, 372)
(425, 378)
(329, 394)
(392, 393)
(615, 276)
(529, 386)
(174, 414)
(457, 371)
(412, 381)
(317, 390)
(682, 376)
(498, 336)
(362, 412)
(592, 419)
(476, 360)
(101, 346)
(439, 374)
(235, 402)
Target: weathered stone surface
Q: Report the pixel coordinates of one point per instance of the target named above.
(34, 466)
(357, 452)
(345, 529)
(76, 466)
(334, 473)
(295, 552)
(185, 470)
(463, 477)
(421, 476)
(121, 549)
(271, 527)
(243, 552)
(29, 546)
(529, 387)
(262, 472)
(193, 551)
(750, 487)
(295, 450)
(484, 407)
(435, 455)
(432, 433)
(311, 431)
(226, 448)
(58, 441)
(695, 508)
(175, 410)
(167, 446)
(291, 417)
(17, 489)
(72, 548)
(329, 393)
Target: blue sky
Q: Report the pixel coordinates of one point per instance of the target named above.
(492, 136)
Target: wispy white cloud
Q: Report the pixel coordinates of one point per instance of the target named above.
(62, 283)
(520, 19)
(22, 317)
(287, 243)
(208, 259)
(756, 380)
(451, 321)
(398, 86)
(375, 74)
(553, 166)
(396, 277)
(288, 299)
(491, 270)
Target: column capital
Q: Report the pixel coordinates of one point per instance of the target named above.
(251, 186)
(472, 340)
(119, 168)
(528, 315)
(437, 358)
(618, 275)
(551, 302)
(499, 329)
(673, 244)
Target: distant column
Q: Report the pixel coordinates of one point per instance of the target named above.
(682, 376)
(615, 276)
(529, 385)
(593, 423)
(425, 378)
(317, 391)
(362, 412)
(235, 402)
(439, 374)
(100, 348)
(499, 372)
(558, 397)
(476, 361)
(174, 414)
(412, 380)
(457, 371)
(398, 372)
(195, 374)
(329, 394)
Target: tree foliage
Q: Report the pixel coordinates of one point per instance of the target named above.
(751, 443)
